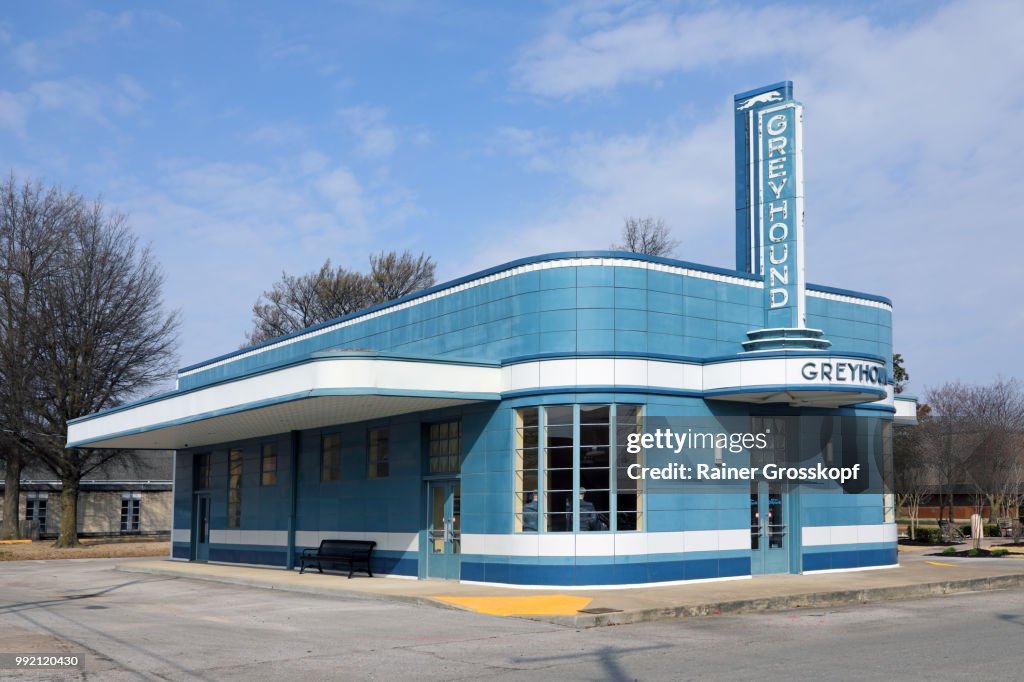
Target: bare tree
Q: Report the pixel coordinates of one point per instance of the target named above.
(648, 235)
(997, 417)
(294, 303)
(101, 337)
(31, 222)
(973, 441)
(910, 471)
(394, 276)
(948, 438)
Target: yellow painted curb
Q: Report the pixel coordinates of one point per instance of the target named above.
(534, 605)
(14, 542)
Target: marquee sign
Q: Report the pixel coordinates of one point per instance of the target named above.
(770, 198)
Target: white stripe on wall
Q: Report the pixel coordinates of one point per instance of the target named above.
(605, 544)
(818, 536)
(742, 373)
(271, 538)
(849, 299)
(181, 535)
(394, 542)
(366, 374)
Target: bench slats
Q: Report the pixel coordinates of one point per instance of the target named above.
(352, 554)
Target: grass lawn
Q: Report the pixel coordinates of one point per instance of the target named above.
(92, 548)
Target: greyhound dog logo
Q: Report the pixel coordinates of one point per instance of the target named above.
(765, 97)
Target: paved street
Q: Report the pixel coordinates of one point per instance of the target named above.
(131, 626)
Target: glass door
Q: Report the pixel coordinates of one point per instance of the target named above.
(444, 544)
(201, 528)
(769, 528)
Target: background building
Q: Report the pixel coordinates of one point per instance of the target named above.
(131, 497)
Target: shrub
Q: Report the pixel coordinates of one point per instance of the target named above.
(927, 535)
(989, 530)
(1000, 552)
(950, 550)
(973, 552)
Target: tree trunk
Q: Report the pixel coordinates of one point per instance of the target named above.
(993, 511)
(11, 529)
(68, 514)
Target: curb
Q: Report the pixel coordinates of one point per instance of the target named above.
(796, 601)
(728, 607)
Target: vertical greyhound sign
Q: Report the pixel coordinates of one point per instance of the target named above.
(770, 199)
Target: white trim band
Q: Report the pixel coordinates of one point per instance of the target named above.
(821, 536)
(605, 544)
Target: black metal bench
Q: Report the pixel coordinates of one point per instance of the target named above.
(353, 554)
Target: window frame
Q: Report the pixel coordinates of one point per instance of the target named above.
(268, 477)
(613, 465)
(202, 462)
(336, 469)
(377, 466)
(131, 512)
(435, 439)
(236, 468)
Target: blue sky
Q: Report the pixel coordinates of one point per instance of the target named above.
(247, 138)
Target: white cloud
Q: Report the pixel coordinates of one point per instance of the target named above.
(376, 139)
(277, 134)
(85, 99)
(231, 228)
(587, 49)
(913, 147)
(14, 112)
(341, 188)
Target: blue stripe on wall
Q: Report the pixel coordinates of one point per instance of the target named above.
(824, 561)
(605, 574)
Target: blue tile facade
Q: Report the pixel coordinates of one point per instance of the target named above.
(587, 309)
(566, 311)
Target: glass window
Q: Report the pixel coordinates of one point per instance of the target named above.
(377, 453)
(445, 447)
(235, 488)
(131, 508)
(527, 468)
(559, 443)
(35, 509)
(201, 471)
(268, 464)
(595, 467)
(546, 495)
(629, 505)
(330, 457)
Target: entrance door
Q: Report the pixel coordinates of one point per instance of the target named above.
(444, 535)
(769, 528)
(201, 528)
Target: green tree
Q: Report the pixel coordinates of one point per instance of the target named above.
(900, 376)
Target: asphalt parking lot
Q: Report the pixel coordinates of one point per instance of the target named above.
(130, 627)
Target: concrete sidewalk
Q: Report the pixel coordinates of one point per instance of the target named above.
(918, 575)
